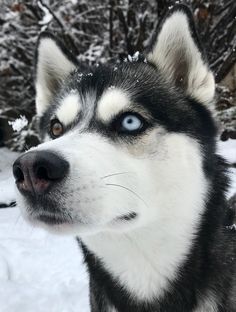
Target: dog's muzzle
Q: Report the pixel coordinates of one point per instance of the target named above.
(36, 172)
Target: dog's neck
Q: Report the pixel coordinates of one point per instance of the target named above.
(144, 261)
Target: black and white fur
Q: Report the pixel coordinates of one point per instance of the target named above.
(148, 209)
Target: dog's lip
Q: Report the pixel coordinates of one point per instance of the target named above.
(127, 217)
(50, 219)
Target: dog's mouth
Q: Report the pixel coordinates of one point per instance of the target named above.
(50, 218)
(54, 220)
(127, 217)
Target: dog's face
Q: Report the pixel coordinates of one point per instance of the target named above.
(125, 145)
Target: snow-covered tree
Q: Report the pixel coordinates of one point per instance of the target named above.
(99, 31)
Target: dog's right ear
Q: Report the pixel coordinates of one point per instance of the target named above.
(53, 64)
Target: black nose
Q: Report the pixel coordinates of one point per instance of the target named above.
(35, 172)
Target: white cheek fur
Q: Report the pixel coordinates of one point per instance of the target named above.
(175, 201)
(166, 195)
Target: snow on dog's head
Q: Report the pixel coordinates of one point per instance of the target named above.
(137, 139)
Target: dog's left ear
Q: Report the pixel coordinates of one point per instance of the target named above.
(177, 53)
(53, 64)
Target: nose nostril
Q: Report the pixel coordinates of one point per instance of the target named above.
(18, 174)
(35, 172)
(42, 173)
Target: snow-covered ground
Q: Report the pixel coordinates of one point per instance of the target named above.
(40, 272)
(228, 151)
(7, 191)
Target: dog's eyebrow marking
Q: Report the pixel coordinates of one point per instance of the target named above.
(69, 108)
(111, 103)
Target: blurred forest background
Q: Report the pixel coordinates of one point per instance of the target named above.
(98, 31)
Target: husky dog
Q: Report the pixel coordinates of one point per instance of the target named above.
(129, 166)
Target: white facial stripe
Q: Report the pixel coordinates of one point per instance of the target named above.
(111, 103)
(69, 108)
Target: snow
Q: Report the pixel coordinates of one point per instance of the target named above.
(38, 271)
(7, 191)
(232, 227)
(232, 189)
(47, 15)
(228, 151)
(130, 59)
(19, 123)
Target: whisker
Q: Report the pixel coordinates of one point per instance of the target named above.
(127, 189)
(114, 174)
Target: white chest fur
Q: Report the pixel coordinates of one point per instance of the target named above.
(145, 261)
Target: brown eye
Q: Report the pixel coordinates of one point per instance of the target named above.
(56, 128)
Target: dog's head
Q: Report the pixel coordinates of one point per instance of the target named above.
(125, 145)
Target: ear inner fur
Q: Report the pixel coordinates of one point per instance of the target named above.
(53, 64)
(176, 52)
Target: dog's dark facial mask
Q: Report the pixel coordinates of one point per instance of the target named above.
(132, 133)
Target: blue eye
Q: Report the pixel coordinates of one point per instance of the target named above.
(131, 123)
